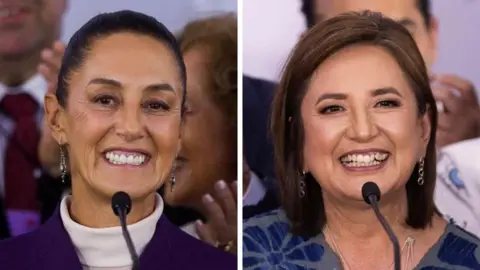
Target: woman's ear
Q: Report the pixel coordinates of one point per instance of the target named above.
(55, 118)
(426, 128)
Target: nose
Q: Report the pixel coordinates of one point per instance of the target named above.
(362, 127)
(129, 124)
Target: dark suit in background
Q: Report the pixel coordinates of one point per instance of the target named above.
(257, 143)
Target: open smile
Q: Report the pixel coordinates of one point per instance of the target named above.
(364, 160)
(126, 158)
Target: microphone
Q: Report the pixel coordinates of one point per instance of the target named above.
(121, 205)
(371, 195)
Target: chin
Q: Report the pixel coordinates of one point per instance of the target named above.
(135, 190)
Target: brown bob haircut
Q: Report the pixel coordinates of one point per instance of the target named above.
(307, 214)
(217, 36)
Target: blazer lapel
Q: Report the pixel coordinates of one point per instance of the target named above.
(157, 253)
(57, 251)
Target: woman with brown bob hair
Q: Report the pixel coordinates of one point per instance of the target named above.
(354, 105)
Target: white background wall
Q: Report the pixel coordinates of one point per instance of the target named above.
(271, 28)
(173, 13)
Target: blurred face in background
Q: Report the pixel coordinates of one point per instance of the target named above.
(122, 118)
(405, 12)
(208, 150)
(28, 25)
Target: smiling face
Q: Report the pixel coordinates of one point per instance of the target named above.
(361, 123)
(122, 118)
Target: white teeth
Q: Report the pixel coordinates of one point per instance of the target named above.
(125, 158)
(360, 160)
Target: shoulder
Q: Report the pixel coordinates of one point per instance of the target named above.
(20, 251)
(267, 242)
(189, 251)
(265, 232)
(458, 248)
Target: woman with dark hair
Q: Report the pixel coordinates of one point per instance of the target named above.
(116, 114)
(354, 105)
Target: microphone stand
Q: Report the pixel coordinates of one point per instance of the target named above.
(391, 235)
(371, 195)
(121, 205)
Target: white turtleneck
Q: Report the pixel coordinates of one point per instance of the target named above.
(105, 248)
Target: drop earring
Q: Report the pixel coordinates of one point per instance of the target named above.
(302, 184)
(421, 165)
(63, 164)
(172, 177)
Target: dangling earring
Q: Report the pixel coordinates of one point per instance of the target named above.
(302, 184)
(421, 165)
(172, 181)
(63, 164)
(172, 177)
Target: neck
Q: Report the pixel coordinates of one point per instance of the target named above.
(16, 71)
(357, 222)
(95, 211)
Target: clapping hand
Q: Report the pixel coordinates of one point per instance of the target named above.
(221, 214)
(50, 64)
(459, 113)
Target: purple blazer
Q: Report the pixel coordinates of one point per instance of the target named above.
(50, 247)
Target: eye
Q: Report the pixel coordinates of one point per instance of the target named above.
(156, 106)
(388, 103)
(331, 109)
(106, 101)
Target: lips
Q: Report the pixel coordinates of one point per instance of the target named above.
(13, 13)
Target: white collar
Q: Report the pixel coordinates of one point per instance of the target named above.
(106, 247)
(36, 86)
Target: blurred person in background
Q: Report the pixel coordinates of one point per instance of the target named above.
(457, 192)
(28, 31)
(116, 115)
(260, 191)
(206, 165)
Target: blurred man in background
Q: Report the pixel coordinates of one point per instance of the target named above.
(28, 30)
(457, 191)
(459, 117)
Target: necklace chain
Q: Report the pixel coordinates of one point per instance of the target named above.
(408, 244)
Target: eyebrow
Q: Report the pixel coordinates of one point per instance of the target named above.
(374, 93)
(116, 84)
(407, 22)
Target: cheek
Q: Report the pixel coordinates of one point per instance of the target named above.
(321, 138)
(85, 130)
(403, 130)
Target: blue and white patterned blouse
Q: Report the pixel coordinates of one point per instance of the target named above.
(268, 244)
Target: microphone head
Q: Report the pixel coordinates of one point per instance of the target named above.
(121, 201)
(370, 189)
